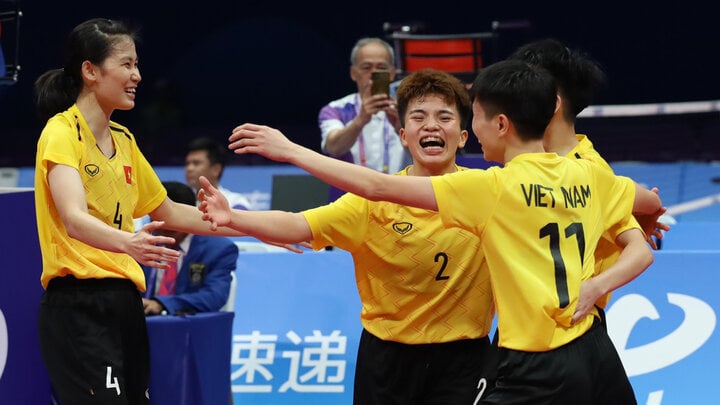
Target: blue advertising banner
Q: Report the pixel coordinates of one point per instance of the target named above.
(664, 325)
(296, 330)
(23, 378)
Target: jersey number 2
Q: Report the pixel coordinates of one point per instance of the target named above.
(552, 231)
(444, 257)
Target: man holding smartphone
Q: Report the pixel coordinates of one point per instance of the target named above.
(363, 127)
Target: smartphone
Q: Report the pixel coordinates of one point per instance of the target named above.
(380, 82)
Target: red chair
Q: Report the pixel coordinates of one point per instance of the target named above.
(458, 54)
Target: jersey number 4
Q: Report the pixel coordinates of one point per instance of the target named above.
(118, 216)
(552, 231)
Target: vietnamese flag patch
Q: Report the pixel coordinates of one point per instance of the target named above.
(128, 174)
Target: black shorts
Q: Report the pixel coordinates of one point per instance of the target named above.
(431, 374)
(93, 340)
(585, 371)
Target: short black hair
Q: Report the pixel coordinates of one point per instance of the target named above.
(579, 77)
(215, 151)
(525, 93)
(180, 192)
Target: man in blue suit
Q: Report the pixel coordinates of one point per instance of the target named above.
(202, 280)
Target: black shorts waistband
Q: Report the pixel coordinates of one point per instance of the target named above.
(72, 282)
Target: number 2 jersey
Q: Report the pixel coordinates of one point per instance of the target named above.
(539, 220)
(117, 189)
(418, 281)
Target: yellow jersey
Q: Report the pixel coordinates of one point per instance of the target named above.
(418, 281)
(539, 219)
(117, 190)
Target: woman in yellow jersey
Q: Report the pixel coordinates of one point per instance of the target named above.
(91, 180)
(539, 219)
(425, 292)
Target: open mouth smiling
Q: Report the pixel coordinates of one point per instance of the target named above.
(432, 142)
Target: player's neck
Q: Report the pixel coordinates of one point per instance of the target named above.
(95, 117)
(560, 137)
(431, 170)
(517, 148)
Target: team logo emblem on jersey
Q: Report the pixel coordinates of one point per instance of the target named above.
(128, 174)
(402, 227)
(92, 170)
(197, 273)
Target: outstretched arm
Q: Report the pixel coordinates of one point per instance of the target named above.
(414, 191)
(187, 218)
(277, 226)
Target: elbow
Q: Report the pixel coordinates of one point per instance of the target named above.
(331, 147)
(73, 231)
(649, 258)
(647, 203)
(330, 150)
(73, 227)
(655, 204)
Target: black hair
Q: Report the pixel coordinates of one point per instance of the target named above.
(525, 93)
(579, 77)
(180, 192)
(214, 150)
(92, 40)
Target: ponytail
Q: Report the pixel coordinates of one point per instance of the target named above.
(55, 92)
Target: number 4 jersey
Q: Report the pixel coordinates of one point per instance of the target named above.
(539, 219)
(117, 189)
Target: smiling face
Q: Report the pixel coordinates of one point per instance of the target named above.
(432, 134)
(116, 79)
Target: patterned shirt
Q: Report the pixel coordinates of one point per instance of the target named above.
(117, 190)
(418, 281)
(378, 142)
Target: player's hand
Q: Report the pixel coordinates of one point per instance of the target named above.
(262, 140)
(393, 116)
(152, 307)
(213, 204)
(149, 249)
(589, 294)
